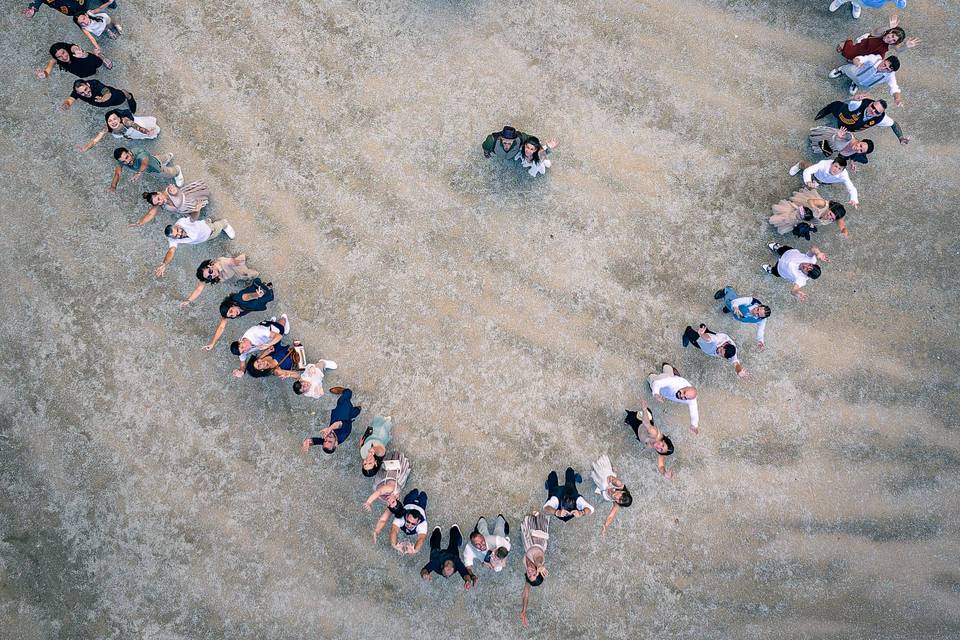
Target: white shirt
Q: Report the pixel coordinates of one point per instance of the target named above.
(788, 266)
(471, 553)
(668, 387)
(554, 503)
(198, 231)
(890, 77)
(709, 343)
(314, 375)
(821, 171)
(736, 303)
(258, 335)
(421, 529)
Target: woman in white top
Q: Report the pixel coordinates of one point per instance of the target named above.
(535, 531)
(95, 23)
(533, 156)
(387, 485)
(122, 124)
(610, 488)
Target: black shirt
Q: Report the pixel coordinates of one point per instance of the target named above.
(98, 89)
(82, 67)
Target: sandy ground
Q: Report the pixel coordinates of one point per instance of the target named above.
(504, 323)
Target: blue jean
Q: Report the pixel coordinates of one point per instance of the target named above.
(729, 295)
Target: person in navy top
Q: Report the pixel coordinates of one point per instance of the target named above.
(446, 562)
(341, 423)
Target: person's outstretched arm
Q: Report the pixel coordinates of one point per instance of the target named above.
(117, 172)
(381, 523)
(610, 517)
(662, 467)
(221, 326)
(197, 290)
(148, 216)
(93, 141)
(524, 600)
(167, 257)
(92, 39)
(47, 70)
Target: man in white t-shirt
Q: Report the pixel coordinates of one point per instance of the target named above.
(828, 171)
(490, 548)
(715, 345)
(564, 501)
(191, 230)
(310, 383)
(410, 520)
(257, 338)
(668, 385)
(795, 266)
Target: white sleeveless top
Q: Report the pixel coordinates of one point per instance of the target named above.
(602, 470)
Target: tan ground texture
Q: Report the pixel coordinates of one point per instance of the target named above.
(504, 323)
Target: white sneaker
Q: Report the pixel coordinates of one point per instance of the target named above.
(285, 321)
(795, 169)
(178, 179)
(853, 89)
(227, 229)
(767, 268)
(836, 4)
(773, 246)
(834, 73)
(328, 364)
(855, 10)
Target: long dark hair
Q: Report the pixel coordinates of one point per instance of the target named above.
(372, 471)
(57, 46)
(92, 16)
(536, 152)
(206, 264)
(113, 112)
(258, 373)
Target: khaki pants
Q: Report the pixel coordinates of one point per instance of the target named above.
(216, 226)
(668, 371)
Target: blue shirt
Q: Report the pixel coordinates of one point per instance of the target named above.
(345, 412)
(878, 4)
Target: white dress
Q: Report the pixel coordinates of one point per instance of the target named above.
(602, 470)
(147, 122)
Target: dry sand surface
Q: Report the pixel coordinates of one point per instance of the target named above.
(505, 323)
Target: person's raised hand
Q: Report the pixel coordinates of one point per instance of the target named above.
(160, 270)
(668, 475)
(523, 619)
(184, 304)
(367, 507)
(905, 140)
(912, 42)
(305, 447)
(898, 100)
(136, 177)
(207, 347)
(29, 11)
(238, 373)
(41, 74)
(658, 397)
(742, 373)
(760, 345)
